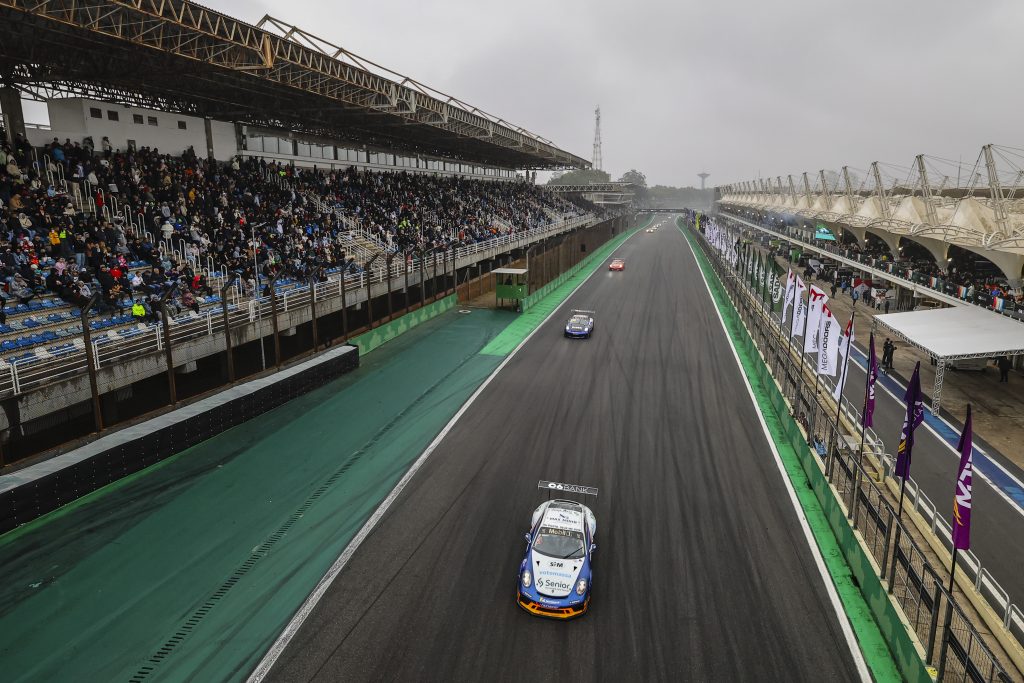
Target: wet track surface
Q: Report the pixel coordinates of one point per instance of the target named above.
(701, 572)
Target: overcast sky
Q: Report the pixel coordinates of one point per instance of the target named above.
(735, 88)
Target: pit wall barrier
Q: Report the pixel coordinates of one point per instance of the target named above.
(891, 624)
(382, 334)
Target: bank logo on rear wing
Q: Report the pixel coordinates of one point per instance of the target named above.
(557, 487)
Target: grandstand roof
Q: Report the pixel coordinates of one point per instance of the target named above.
(175, 55)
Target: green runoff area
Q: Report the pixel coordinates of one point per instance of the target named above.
(881, 635)
(190, 569)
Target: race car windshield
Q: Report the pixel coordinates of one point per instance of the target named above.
(559, 546)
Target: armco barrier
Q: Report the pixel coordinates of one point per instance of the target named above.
(372, 339)
(892, 626)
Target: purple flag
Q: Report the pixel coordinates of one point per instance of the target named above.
(962, 498)
(914, 416)
(869, 391)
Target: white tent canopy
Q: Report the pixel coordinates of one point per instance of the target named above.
(959, 332)
(956, 333)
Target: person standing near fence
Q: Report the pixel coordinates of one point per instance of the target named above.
(1004, 369)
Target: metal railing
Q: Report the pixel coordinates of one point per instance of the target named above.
(951, 642)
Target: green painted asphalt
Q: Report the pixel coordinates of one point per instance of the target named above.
(208, 554)
(869, 637)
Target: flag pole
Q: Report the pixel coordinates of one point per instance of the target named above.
(807, 317)
(864, 407)
(842, 380)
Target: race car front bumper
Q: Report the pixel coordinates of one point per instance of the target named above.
(552, 611)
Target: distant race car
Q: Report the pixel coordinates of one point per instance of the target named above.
(617, 264)
(650, 229)
(580, 325)
(555, 577)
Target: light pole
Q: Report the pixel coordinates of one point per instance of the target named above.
(166, 324)
(227, 326)
(90, 361)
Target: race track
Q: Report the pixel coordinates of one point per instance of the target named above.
(702, 571)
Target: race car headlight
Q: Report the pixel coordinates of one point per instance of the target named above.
(581, 587)
(526, 578)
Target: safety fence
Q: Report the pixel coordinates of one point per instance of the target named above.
(950, 640)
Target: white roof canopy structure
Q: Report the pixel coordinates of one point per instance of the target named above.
(956, 333)
(509, 271)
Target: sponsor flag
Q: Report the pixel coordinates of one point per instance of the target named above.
(844, 365)
(787, 301)
(914, 416)
(775, 287)
(815, 303)
(800, 310)
(962, 497)
(828, 344)
(867, 417)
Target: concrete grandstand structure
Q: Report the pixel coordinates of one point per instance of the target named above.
(266, 104)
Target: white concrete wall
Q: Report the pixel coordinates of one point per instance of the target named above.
(72, 118)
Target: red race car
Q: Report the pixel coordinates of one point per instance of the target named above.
(617, 264)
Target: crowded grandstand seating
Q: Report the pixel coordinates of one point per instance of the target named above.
(134, 227)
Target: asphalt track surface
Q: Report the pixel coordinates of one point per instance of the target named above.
(702, 571)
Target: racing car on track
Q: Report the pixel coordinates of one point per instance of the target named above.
(617, 264)
(580, 325)
(555, 578)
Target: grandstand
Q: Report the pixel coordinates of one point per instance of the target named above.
(934, 224)
(119, 237)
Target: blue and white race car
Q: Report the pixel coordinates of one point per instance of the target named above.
(555, 576)
(580, 325)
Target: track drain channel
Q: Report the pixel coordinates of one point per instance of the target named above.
(158, 657)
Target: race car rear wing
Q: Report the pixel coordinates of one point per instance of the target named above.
(577, 310)
(553, 487)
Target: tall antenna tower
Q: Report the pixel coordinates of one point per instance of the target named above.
(597, 139)
(703, 177)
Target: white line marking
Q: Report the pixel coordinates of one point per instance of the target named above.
(837, 605)
(279, 646)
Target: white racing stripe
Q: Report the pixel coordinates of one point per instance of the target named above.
(289, 632)
(837, 605)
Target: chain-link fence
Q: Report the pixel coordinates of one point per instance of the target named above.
(951, 643)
